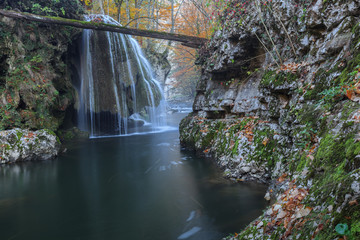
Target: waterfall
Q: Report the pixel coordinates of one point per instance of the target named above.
(118, 93)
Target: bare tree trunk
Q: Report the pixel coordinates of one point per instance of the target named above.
(172, 17)
(119, 14)
(128, 10)
(118, 4)
(189, 41)
(172, 23)
(157, 15)
(102, 6)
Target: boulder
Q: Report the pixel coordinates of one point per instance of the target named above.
(17, 145)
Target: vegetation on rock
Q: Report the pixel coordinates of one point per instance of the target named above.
(293, 69)
(35, 83)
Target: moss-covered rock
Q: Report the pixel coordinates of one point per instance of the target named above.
(306, 135)
(58, 8)
(35, 84)
(19, 145)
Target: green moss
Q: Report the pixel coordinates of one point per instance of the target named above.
(330, 150)
(355, 227)
(333, 175)
(207, 140)
(319, 86)
(348, 108)
(6, 146)
(308, 114)
(350, 216)
(234, 150)
(50, 132)
(302, 163)
(273, 79)
(352, 149)
(19, 134)
(335, 149)
(334, 90)
(267, 150)
(66, 135)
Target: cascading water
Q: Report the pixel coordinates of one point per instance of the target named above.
(117, 94)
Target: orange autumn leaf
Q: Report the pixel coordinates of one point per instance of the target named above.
(353, 202)
(350, 94)
(282, 177)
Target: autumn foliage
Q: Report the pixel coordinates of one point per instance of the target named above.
(188, 17)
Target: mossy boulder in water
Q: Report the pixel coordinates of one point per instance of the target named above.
(19, 145)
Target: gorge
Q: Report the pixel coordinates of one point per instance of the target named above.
(277, 103)
(133, 186)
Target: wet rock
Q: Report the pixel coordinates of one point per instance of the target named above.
(281, 214)
(302, 212)
(245, 169)
(19, 145)
(355, 186)
(267, 196)
(334, 46)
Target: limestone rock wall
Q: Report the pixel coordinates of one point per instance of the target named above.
(35, 82)
(159, 62)
(278, 102)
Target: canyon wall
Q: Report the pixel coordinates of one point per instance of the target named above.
(278, 102)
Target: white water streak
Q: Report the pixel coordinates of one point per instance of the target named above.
(120, 48)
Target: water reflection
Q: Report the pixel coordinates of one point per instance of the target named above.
(137, 187)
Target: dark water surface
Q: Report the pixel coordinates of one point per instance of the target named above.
(135, 187)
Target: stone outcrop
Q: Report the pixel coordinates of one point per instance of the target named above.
(159, 62)
(35, 81)
(278, 102)
(19, 145)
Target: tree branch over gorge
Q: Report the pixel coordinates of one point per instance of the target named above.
(189, 41)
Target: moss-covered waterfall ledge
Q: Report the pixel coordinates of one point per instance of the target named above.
(278, 102)
(35, 80)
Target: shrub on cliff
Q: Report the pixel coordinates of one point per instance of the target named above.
(62, 8)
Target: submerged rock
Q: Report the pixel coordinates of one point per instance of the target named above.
(19, 145)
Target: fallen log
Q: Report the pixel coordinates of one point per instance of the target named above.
(189, 41)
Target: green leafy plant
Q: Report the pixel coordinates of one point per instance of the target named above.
(36, 8)
(62, 11)
(36, 59)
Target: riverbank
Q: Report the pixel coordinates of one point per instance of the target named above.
(285, 112)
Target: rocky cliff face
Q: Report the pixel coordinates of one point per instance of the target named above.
(159, 62)
(278, 102)
(35, 83)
